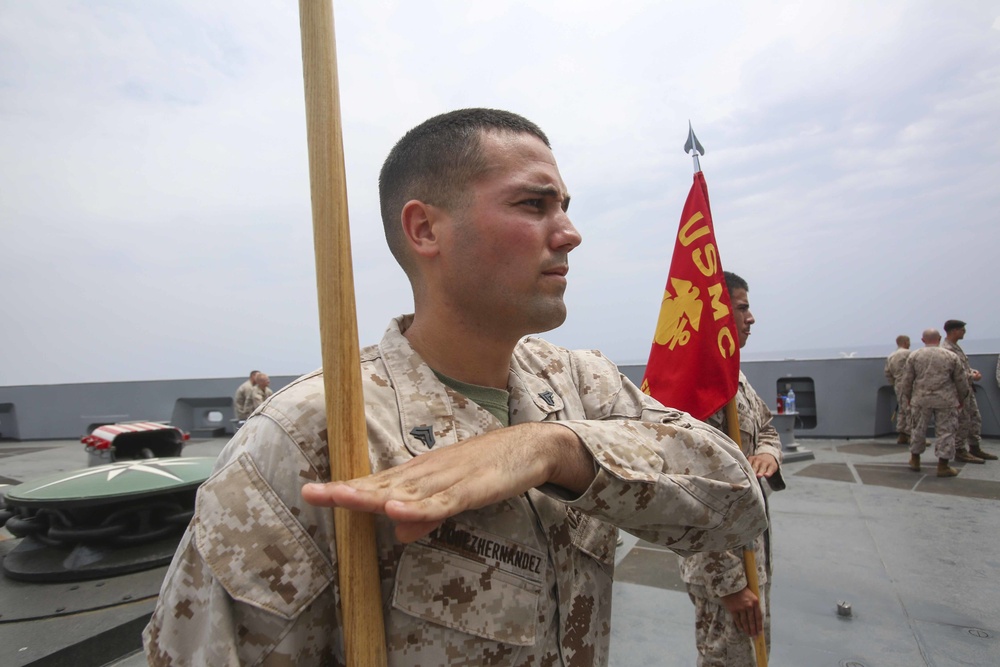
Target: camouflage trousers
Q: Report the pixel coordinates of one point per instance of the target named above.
(970, 425)
(902, 413)
(945, 426)
(720, 643)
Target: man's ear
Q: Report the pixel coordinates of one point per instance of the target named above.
(420, 227)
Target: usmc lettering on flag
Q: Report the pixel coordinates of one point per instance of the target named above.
(694, 361)
(684, 307)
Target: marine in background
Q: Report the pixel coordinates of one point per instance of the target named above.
(727, 613)
(894, 374)
(243, 395)
(968, 439)
(261, 392)
(934, 384)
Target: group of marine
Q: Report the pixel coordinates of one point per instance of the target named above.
(935, 384)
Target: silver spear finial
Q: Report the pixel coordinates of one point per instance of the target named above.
(694, 147)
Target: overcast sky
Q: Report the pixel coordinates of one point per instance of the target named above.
(154, 198)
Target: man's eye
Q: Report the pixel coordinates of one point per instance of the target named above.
(533, 203)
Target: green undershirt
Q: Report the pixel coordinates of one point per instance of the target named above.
(493, 400)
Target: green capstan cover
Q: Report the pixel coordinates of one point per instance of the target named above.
(125, 478)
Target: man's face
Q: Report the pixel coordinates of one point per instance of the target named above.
(505, 253)
(263, 381)
(741, 313)
(959, 333)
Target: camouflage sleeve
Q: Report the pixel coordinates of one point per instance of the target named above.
(906, 385)
(249, 583)
(962, 382)
(662, 475)
(888, 371)
(768, 441)
(720, 572)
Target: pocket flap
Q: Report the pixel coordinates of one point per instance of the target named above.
(256, 549)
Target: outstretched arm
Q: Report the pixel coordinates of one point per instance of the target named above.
(421, 493)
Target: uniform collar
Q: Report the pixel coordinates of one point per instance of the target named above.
(432, 415)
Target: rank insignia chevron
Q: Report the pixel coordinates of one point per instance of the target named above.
(424, 434)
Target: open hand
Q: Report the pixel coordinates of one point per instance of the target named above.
(764, 465)
(421, 493)
(744, 607)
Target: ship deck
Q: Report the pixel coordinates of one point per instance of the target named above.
(913, 555)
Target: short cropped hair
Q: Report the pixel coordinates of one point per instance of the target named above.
(734, 282)
(902, 339)
(435, 162)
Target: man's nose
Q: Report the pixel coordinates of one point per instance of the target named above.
(566, 236)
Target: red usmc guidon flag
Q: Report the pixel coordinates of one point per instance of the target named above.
(694, 362)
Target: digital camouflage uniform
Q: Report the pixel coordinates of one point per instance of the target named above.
(242, 398)
(894, 366)
(934, 383)
(970, 422)
(711, 575)
(257, 398)
(526, 581)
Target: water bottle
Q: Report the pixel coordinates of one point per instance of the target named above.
(790, 401)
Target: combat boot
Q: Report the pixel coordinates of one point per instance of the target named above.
(986, 456)
(965, 457)
(945, 470)
(903, 439)
(915, 462)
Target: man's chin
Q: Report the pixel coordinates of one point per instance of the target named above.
(549, 318)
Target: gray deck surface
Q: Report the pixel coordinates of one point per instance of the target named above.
(915, 556)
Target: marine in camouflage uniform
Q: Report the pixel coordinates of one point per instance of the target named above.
(894, 374)
(970, 422)
(727, 612)
(712, 575)
(261, 392)
(934, 383)
(526, 581)
(496, 543)
(242, 397)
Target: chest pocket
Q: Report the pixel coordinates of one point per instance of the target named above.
(492, 590)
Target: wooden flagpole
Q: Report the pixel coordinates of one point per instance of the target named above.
(357, 553)
(749, 560)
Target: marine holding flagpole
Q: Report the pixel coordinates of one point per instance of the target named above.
(704, 321)
(503, 464)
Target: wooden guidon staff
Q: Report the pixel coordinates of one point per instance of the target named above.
(357, 554)
(749, 560)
